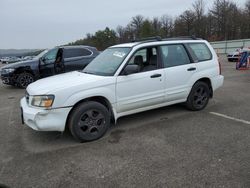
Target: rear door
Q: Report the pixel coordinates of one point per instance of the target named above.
(206, 65)
(179, 70)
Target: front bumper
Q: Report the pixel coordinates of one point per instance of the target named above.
(8, 79)
(44, 120)
(232, 58)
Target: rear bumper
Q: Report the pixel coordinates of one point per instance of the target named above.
(44, 120)
(217, 82)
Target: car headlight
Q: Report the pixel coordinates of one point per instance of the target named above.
(9, 70)
(42, 100)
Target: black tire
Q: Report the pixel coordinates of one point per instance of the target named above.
(198, 97)
(24, 79)
(89, 121)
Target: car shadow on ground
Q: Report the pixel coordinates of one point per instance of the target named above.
(43, 141)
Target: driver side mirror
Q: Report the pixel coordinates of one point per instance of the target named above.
(44, 60)
(131, 69)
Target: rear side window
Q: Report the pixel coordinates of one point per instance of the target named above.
(201, 51)
(76, 52)
(174, 55)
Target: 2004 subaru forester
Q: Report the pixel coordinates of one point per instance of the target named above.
(124, 79)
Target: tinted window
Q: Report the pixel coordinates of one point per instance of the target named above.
(201, 51)
(174, 55)
(76, 52)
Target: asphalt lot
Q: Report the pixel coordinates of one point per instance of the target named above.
(167, 147)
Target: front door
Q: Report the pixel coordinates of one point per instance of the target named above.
(142, 89)
(46, 65)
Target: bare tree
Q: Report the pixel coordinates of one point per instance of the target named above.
(186, 23)
(167, 26)
(137, 23)
(200, 21)
(247, 17)
(156, 23)
(224, 21)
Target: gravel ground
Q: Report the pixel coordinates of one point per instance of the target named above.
(167, 147)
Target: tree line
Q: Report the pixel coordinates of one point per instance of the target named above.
(225, 20)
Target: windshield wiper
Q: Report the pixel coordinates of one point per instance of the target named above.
(86, 72)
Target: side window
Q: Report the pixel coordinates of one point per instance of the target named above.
(201, 51)
(85, 52)
(146, 59)
(50, 56)
(142, 53)
(76, 52)
(174, 55)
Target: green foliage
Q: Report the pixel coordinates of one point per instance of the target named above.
(224, 21)
(101, 39)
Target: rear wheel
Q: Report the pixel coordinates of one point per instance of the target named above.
(198, 97)
(24, 79)
(89, 121)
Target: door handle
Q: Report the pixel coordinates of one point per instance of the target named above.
(191, 69)
(155, 76)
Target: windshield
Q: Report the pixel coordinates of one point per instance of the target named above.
(107, 62)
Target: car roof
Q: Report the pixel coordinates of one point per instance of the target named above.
(144, 43)
(77, 46)
(128, 45)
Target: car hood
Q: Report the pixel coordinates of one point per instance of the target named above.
(20, 63)
(233, 53)
(65, 81)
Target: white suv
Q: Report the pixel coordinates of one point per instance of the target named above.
(124, 79)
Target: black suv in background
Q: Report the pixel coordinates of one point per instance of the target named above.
(49, 62)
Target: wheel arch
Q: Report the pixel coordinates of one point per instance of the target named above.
(208, 82)
(100, 99)
(24, 69)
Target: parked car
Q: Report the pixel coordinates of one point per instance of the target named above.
(235, 56)
(8, 60)
(123, 80)
(4, 60)
(50, 62)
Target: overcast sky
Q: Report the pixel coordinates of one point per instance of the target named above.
(47, 23)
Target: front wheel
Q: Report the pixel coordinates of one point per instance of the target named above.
(198, 97)
(24, 79)
(89, 121)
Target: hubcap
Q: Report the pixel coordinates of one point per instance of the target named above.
(91, 122)
(200, 97)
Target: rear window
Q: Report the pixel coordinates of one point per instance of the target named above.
(201, 51)
(76, 52)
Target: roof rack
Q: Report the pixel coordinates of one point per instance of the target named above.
(158, 38)
(148, 39)
(182, 38)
